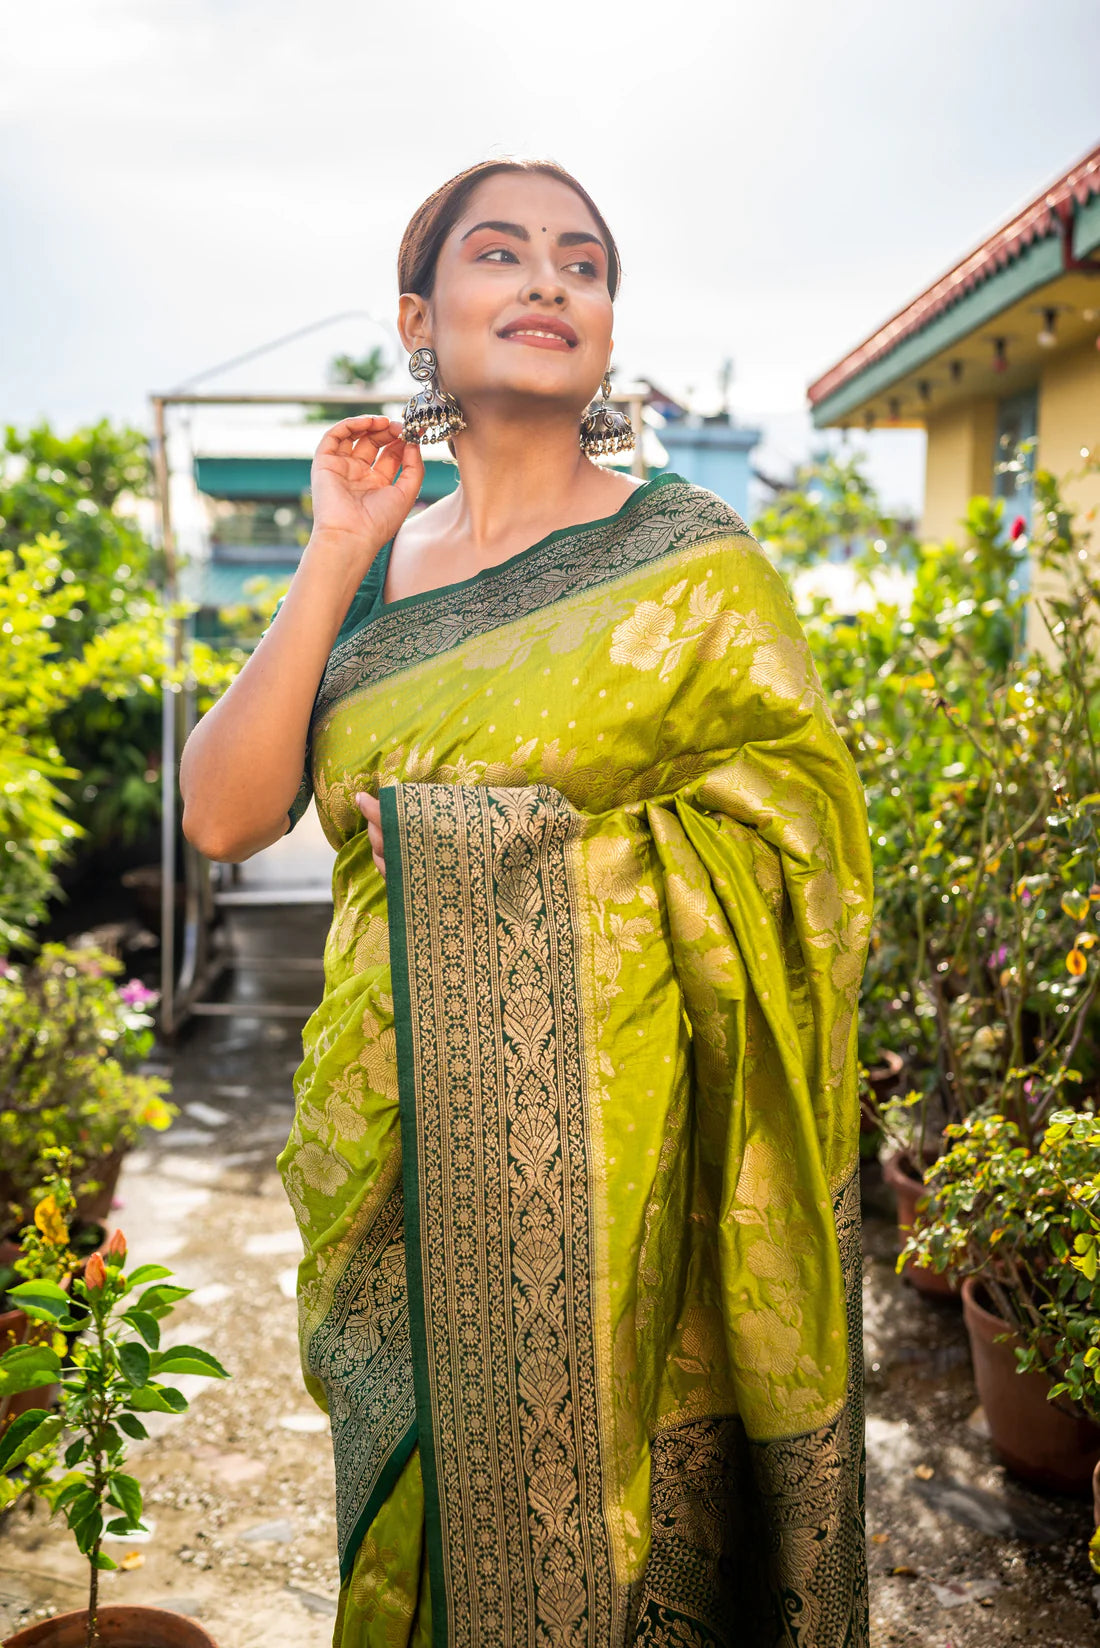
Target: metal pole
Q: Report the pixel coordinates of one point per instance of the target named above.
(168, 734)
(638, 464)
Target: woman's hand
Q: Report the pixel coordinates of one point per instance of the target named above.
(371, 809)
(355, 495)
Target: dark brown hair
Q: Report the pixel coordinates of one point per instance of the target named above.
(433, 221)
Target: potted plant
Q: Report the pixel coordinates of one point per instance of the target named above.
(70, 1039)
(1021, 1223)
(911, 1148)
(49, 1249)
(981, 762)
(117, 1373)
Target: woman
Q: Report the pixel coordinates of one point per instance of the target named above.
(575, 1156)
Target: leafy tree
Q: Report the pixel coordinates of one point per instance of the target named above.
(363, 373)
(42, 682)
(833, 509)
(81, 488)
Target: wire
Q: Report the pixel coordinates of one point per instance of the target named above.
(277, 343)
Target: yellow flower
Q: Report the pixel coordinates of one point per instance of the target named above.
(156, 1115)
(47, 1216)
(1076, 962)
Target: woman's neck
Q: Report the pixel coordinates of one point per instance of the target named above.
(521, 479)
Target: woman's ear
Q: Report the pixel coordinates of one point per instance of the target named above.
(413, 321)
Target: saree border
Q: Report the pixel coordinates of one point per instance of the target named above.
(398, 915)
(493, 1094)
(572, 561)
(372, 1435)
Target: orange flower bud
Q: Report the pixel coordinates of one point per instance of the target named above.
(95, 1272)
(116, 1247)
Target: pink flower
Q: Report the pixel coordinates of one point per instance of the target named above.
(135, 994)
(95, 1272)
(116, 1247)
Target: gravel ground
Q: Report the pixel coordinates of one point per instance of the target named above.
(239, 1493)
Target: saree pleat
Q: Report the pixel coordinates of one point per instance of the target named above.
(575, 1155)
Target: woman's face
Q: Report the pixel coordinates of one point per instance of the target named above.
(544, 260)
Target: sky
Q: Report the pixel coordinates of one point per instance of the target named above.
(182, 182)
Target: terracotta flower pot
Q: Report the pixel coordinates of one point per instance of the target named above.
(15, 1329)
(883, 1079)
(119, 1626)
(899, 1172)
(1039, 1442)
(96, 1204)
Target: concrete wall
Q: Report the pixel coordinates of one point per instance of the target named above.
(958, 463)
(1069, 419)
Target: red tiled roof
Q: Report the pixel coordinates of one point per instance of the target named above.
(1043, 216)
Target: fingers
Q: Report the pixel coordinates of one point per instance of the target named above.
(371, 809)
(364, 435)
(411, 478)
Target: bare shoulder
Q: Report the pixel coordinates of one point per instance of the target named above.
(422, 526)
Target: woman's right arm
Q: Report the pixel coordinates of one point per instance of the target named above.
(242, 764)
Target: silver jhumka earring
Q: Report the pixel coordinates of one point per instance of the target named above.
(605, 429)
(433, 414)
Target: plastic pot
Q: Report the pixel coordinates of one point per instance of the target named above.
(899, 1172)
(1039, 1442)
(118, 1626)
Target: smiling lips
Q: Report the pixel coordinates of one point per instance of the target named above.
(548, 333)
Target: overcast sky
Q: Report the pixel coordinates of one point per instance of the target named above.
(181, 180)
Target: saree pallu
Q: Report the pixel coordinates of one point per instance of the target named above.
(575, 1157)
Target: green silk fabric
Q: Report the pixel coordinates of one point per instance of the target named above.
(575, 1157)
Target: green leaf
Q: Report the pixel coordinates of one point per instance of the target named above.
(147, 1273)
(27, 1434)
(52, 1492)
(85, 1519)
(161, 1298)
(27, 1367)
(1087, 1265)
(102, 1560)
(188, 1359)
(74, 1453)
(41, 1299)
(132, 1426)
(157, 1399)
(134, 1360)
(125, 1492)
(145, 1324)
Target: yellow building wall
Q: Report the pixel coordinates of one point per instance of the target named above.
(1069, 420)
(958, 463)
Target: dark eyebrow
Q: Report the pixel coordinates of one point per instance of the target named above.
(571, 237)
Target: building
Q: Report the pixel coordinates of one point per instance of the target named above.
(1003, 348)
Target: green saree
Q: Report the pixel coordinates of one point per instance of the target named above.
(575, 1156)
